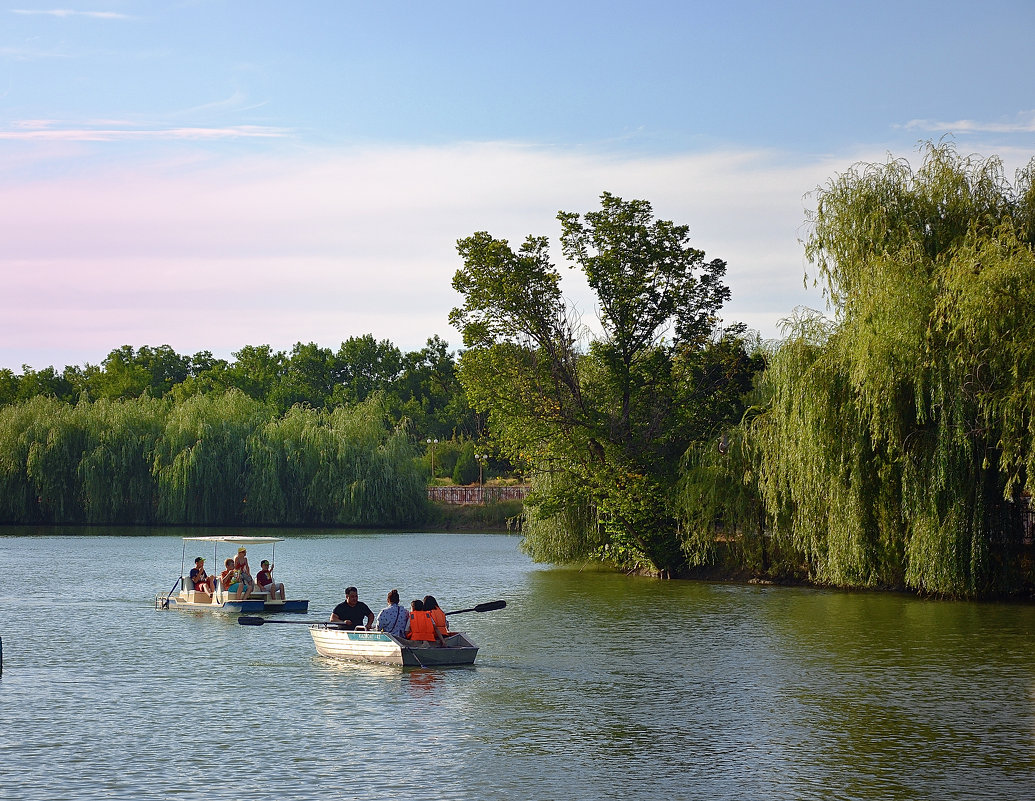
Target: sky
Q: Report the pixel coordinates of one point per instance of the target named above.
(210, 174)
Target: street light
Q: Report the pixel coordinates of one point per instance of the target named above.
(481, 457)
(432, 443)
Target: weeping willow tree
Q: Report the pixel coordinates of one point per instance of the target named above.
(28, 493)
(115, 475)
(62, 463)
(342, 467)
(382, 478)
(897, 441)
(200, 462)
(212, 459)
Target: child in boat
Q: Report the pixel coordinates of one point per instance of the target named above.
(421, 627)
(264, 578)
(438, 617)
(244, 572)
(200, 579)
(228, 580)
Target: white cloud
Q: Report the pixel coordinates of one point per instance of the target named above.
(329, 244)
(67, 12)
(1024, 122)
(44, 130)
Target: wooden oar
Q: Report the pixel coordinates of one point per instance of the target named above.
(488, 606)
(248, 620)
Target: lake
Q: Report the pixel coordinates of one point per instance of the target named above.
(589, 684)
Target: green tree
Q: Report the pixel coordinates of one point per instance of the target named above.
(8, 386)
(363, 366)
(46, 383)
(307, 378)
(465, 471)
(603, 427)
(897, 440)
(129, 373)
(257, 371)
(429, 393)
(200, 462)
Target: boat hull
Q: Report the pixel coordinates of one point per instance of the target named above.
(376, 646)
(296, 605)
(249, 606)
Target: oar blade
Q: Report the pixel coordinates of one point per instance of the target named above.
(245, 620)
(488, 606)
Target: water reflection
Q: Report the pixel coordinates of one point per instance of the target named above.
(588, 685)
(421, 683)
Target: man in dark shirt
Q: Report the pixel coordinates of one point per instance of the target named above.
(352, 611)
(202, 580)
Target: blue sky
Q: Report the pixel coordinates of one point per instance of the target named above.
(214, 174)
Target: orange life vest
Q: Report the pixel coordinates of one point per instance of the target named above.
(422, 627)
(438, 617)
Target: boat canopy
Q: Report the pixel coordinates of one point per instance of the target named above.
(237, 540)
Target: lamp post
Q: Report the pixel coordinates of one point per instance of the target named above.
(431, 444)
(481, 457)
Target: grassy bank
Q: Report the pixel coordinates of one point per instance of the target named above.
(502, 516)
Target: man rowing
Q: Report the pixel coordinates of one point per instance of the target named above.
(352, 612)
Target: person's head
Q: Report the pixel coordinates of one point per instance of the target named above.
(351, 596)
(417, 605)
(198, 562)
(265, 563)
(228, 563)
(242, 551)
(430, 603)
(393, 597)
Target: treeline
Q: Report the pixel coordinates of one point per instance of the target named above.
(889, 445)
(419, 386)
(214, 458)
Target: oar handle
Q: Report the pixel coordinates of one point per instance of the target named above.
(248, 620)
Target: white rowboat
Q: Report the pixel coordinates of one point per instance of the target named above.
(381, 647)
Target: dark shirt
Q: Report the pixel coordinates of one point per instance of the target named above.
(356, 615)
(198, 576)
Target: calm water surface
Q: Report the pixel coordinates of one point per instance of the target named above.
(588, 686)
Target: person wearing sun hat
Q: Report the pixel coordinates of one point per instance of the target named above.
(201, 579)
(244, 573)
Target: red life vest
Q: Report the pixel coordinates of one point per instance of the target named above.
(438, 617)
(422, 627)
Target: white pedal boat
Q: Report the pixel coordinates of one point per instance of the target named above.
(184, 596)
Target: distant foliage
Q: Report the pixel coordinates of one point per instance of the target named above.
(213, 459)
(420, 386)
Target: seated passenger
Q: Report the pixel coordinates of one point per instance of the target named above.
(438, 617)
(230, 581)
(264, 578)
(244, 572)
(393, 618)
(201, 580)
(421, 627)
